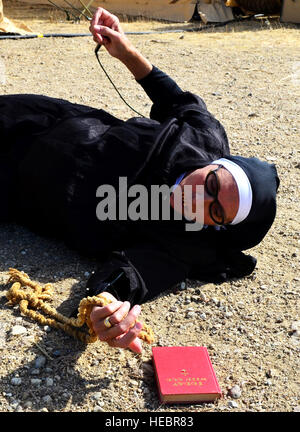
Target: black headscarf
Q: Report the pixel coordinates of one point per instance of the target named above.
(264, 183)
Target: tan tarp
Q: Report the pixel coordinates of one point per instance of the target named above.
(9, 26)
(214, 11)
(171, 10)
(291, 12)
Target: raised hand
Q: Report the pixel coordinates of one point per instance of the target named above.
(107, 31)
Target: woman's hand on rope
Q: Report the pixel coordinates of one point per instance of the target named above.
(107, 31)
(124, 329)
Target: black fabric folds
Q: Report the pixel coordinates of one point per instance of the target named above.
(54, 154)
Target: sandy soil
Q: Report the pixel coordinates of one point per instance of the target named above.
(248, 74)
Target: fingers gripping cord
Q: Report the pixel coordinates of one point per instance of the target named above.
(30, 296)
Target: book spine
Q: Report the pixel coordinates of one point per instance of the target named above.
(158, 384)
(212, 371)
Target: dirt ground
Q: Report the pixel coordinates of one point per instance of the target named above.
(249, 75)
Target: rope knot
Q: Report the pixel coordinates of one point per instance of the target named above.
(29, 294)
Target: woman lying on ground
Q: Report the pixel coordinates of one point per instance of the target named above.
(55, 156)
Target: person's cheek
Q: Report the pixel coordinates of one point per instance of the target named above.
(207, 218)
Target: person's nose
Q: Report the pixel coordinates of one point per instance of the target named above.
(207, 198)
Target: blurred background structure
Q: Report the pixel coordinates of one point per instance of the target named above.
(170, 10)
(205, 11)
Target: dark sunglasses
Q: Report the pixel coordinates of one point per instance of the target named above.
(212, 187)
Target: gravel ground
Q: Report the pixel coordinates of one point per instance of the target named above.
(248, 74)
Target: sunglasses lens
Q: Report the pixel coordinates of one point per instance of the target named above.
(211, 184)
(216, 213)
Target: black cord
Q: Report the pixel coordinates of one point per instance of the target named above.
(78, 10)
(110, 80)
(64, 10)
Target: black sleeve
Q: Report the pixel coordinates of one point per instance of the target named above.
(168, 98)
(140, 274)
(159, 86)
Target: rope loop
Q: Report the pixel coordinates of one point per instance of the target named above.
(32, 297)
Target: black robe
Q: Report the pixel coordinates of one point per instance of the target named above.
(55, 154)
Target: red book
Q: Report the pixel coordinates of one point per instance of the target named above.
(185, 374)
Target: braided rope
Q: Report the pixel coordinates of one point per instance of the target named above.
(30, 295)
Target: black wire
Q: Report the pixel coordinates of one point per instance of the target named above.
(69, 35)
(64, 10)
(46, 35)
(110, 80)
(78, 10)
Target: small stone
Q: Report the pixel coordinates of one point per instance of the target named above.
(49, 382)
(35, 372)
(235, 392)
(86, 274)
(18, 330)
(295, 326)
(47, 329)
(222, 407)
(47, 399)
(96, 396)
(40, 362)
(36, 381)
(270, 373)
(182, 286)
(98, 409)
(203, 297)
(16, 381)
(233, 404)
(296, 408)
(56, 353)
(28, 404)
(202, 316)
